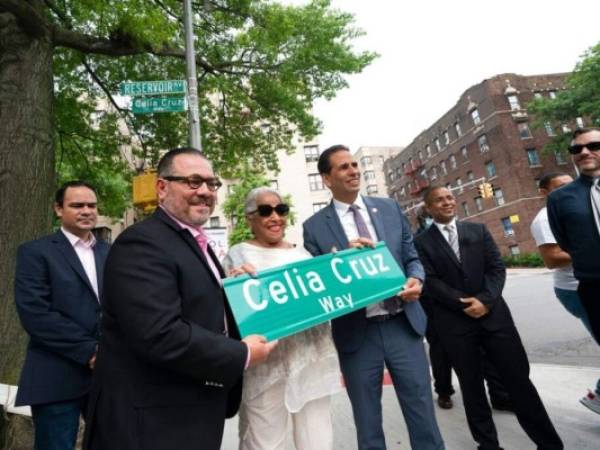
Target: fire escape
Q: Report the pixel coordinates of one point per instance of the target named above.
(417, 183)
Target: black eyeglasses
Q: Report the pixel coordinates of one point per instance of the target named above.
(196, 181)
(578, 148)
(282, 210)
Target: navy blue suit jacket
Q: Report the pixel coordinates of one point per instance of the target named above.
(572, 221)
(60, 311)
(323, 231)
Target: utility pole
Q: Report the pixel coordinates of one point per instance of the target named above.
(192, 80)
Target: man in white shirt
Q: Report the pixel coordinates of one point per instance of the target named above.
(57, 291)
(565, 283)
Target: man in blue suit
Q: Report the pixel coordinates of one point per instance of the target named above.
(58, 284)
(389, 333)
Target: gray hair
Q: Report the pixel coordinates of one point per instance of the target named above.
(250, 206)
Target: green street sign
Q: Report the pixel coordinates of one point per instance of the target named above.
(154, 87)
(287, 299)
(163, 104)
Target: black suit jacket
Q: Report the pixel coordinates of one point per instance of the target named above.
(480, 273)
(60, 311)
(165, 371)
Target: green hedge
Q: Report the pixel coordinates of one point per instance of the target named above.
(524, 260)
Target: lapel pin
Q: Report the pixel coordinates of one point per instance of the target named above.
(374, 210)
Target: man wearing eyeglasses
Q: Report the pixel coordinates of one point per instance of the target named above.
(389, 333)
(170, 364)
(574, 216)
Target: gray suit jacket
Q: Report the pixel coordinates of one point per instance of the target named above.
(323, 231)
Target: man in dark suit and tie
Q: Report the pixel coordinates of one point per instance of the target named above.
(169, 365)
(464, 281)
(57, 286)
(389, 333)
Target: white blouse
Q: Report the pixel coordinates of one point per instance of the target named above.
(307, 361)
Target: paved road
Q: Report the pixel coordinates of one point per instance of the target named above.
(564, 365)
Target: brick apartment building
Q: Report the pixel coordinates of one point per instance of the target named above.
(486, 136)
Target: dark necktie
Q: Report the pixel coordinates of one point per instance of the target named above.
(389, 304)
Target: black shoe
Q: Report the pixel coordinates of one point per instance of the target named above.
(445, 402)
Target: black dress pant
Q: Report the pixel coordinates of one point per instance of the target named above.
(440, 364)
(589, 293)
(504, 350)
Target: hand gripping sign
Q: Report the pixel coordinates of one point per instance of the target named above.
(284, 300)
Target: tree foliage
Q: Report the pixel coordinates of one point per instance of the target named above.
(580, 99)
(260, 67)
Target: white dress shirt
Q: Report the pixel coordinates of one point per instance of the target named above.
(451, 224)
(85, 253)
(349, 225)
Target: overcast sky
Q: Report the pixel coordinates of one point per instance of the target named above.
(432, 51)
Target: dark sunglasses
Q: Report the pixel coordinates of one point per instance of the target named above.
(578, 148)
(196, 181)
(282, 210)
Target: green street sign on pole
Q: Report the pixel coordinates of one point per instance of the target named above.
(159, 87)
(150, 105)
(291, 298)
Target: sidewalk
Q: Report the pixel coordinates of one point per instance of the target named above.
(510, 271)
(560, 387)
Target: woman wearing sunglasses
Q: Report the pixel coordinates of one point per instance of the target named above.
(300, 375)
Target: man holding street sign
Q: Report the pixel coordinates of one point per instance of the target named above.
(390, 332)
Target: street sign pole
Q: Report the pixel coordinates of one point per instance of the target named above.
(192, 80)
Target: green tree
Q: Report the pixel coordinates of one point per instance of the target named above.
(580, 99)
(260, 67)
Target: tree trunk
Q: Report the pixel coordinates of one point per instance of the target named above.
(26, 185)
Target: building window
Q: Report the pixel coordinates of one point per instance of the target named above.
(549, 129)
(470, 176)
(490, 168)
(452, 162)
(391, 175)
(507, 226)
(524, 132)
(369, 175)
(234, 221)
(457, 129)
(449, 186)
(560, 158)
(459, 185)
(552, 94)
(446, 138)
(565, 128)
(215, 222)
(532, 157)
(579, 122)
(479, 204)
(475, 117)
(498, 197)
(538, 95)
(513, 101)
(443, 167)
(274, 184)
(428, 151)
(436, 141)
(230, 188)
(381, 160)
(365, 161)
(319, 206)
(311, 153)
(315, 182)
(420, 155)
(465, 153)
(424, 174)
(371, 189)
(402, 191)
(514, 250)
(483, 143)
(399, 172)
(434, 173)
(466, 209)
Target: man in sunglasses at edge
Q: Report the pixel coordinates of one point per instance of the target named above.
(170, 363)
(388, 333)
(574, 216)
